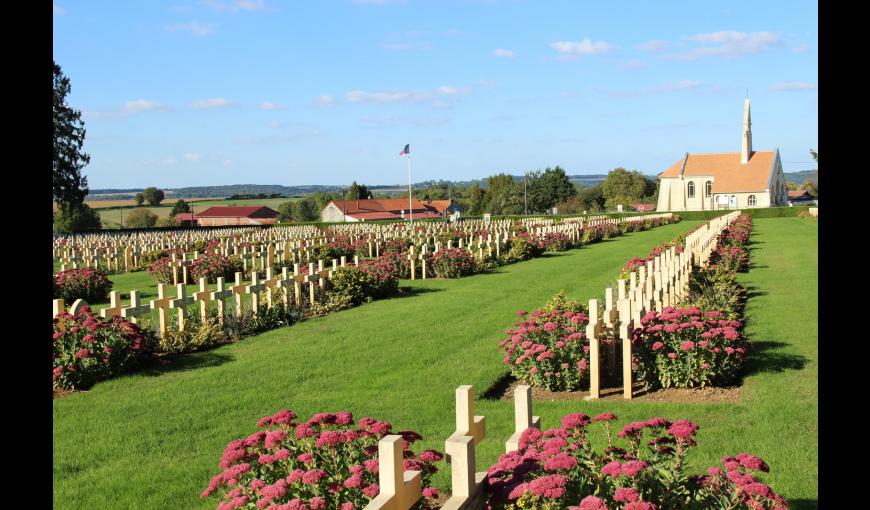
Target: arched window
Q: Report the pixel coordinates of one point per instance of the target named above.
(708, 188)
(751, 201)
(690, 189)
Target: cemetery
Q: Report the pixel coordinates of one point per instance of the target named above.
(175, 344)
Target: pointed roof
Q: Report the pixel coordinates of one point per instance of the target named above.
(729, 175)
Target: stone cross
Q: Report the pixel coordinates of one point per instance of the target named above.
(399, 490)
(161, 304)
(466, 482)
(523, 418)
(219, 295)
(204, 298)
(239, 294)
(180, 301)
(114, 308)
(625, 329)
(593, 330)
(136, 308)
(271, 282)
(254, 290)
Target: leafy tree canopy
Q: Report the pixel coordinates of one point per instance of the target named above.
(153, 196)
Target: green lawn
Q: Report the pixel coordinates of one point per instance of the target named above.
(154, 439)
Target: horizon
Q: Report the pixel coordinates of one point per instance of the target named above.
(200, 93)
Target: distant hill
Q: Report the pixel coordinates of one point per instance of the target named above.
(291, 191)
(801, 176)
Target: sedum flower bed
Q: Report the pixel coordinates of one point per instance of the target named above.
(325, 462)
(88, 348)
(86, 283)
(211, 266)
(549, 348)
(453, 263)
(559, 468)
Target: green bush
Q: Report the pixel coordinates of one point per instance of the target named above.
(196, 334)
(520, 249)
(353, 283)
(140, 218)
(76, 219)
(716, 289)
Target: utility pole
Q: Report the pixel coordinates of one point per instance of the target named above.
(525, 194)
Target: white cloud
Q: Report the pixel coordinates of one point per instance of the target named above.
(653, 46)
(194, 28)
(266, 105)
(227, 162)
(503, 53)
(192, 156)
(791, 86)
(217, 102)
(324, 100)
(57, 10)
(168, 161)
(571, 50)
(143, 105)
(406, 96)
(727, 44)
(251, 5)
(236, 5)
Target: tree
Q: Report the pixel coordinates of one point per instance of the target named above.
(547, 188)
(476, 201)
(815, 154)
(592, 198)
(76, 219)
(810, 187)
(624, 187)
(791, 185)
(69, 187)
(357, 192)
(139, 199)
(141, 218)
(153, 196)
(180, 207)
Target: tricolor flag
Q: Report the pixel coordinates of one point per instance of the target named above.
(406, 150)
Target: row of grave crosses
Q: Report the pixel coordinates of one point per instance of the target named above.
(400, 489)
(276, 288)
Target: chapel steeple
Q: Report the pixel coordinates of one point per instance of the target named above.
(746, 149)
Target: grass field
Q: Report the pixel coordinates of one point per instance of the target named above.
(154, 439)
(112, 215)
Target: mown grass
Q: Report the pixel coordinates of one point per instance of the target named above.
(154, 439)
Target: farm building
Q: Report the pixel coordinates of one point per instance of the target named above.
(236, 215)
(186, 219)
(385, 209)
(801, 196)
(729, 180)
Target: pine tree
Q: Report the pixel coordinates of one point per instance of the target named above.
(68, 185)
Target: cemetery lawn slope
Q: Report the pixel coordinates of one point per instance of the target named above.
(154, 439)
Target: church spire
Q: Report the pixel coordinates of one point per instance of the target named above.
(746, 149)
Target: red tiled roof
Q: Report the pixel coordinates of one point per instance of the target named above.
(387, 215)
(235, 211)
(185, 216)
(729, 175)
(378, 205)
(643, 207)
(440, 205)
(799, 193)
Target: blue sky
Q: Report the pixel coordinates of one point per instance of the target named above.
(186, 93)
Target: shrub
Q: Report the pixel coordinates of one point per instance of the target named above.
(211, 266)
(737, 233)
(278, 316)
(88, 349)
(453, 263)
(140, 218)
(591, 234)
(153, 256)
(687, 348)
(384, 276)
(549, 349)
(718, 290)
(196, 335)
(200, 245)
(395, 245)
(324, 462)
(730, 258)
(555, 241)
(86, 283)
(519, 249)
(161, 270)
(352, 282)
(397, 263)
(559, 468)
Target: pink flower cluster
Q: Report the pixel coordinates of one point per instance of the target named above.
(87, 348)
(549, 349)
(453, 263)
(685, 348)
(86, 283)
(211, 266)
(558, 468)
(327, 461)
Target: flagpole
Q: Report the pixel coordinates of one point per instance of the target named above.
(410, 209)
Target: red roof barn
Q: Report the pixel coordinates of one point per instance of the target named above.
(382, 209)
(237, 215)
(185, 219)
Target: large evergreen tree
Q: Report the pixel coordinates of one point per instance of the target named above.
(69, 187)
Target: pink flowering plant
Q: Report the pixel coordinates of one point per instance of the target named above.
(161, 270)
(555, 241)
(453, 263)
(87, 348)
(548, 348)
(327, 461)
(737, 233)
(730, 258)
(211, 266)
(86, 283)
(688, 348)
(558, 468)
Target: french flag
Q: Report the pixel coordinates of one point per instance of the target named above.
(406, 150)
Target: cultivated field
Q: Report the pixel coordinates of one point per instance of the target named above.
(113, 215)
(162, 431)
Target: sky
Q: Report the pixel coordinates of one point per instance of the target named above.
(212, 92)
